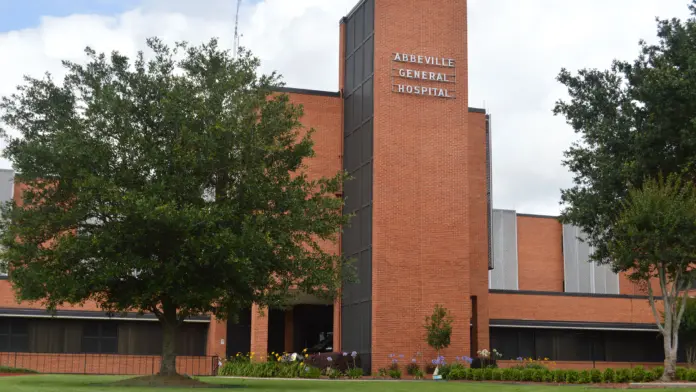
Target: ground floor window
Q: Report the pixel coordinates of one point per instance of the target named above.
(44, 335)
(578, 345)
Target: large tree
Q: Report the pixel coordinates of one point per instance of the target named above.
(172, 184)
(636, 120)
(654, 238)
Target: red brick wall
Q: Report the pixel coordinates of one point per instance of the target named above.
(421, 186)
(540, 254)
(478, 226)
(567, 308)
(105, 363)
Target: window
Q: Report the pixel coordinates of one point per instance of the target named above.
(580, 274)
(14, 335)
(100, 338)
(503, 276)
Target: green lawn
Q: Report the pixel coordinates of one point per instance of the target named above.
(64, 383)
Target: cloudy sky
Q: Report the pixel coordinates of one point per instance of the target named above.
(516, 48)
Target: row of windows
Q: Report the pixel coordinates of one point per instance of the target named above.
(96, 337)
(578, 345)
(580, 275)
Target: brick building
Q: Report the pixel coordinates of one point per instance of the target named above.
(424, 232)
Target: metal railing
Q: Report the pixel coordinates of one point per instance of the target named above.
(114, 364)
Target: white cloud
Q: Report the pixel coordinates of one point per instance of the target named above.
(516, 48)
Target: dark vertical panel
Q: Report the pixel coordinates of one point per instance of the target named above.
(358, 146)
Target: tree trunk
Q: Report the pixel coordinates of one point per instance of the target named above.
(170, 326)
(669, 374)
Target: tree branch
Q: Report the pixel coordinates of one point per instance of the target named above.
(651, 299)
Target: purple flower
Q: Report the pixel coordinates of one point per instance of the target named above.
(329, 359)
(354, 354)
(391, 355)
(457, 358)
(470, 360)
(395, 360)
(519, 358)
(401, 355)
(413, 360)
(345, 354)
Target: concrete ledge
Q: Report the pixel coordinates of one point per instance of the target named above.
(661, 385)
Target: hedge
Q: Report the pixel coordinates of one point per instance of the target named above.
(636, 374)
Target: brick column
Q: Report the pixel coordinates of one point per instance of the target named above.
(259, 332)
(289, 331)
(217, 338)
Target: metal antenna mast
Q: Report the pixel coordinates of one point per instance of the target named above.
(236, 30)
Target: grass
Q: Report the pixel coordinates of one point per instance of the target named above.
(70, 383)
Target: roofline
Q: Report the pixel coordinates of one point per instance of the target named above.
(564, 294)
(540, 216)
(323, 93)
(583, 325)
(352, 11)
(477, 110)
(88, 315)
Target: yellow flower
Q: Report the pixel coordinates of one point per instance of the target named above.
(279, 359)
(306, 355)
(546, 359)
(304, 351)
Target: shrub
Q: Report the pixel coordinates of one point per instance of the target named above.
(622, 376)
(527, 374)
(548, 376)
(608, 375)
(411, 368)
(538, 374)
(382, 373)
(332, 373)
(430, 368)
(395, 373)
(488, 373)
(457, 373)
(657, 372)
(477, 374)
(595, 376)
(559, 376)
(337, 361)
(649, 376)
(637, 374)
(311, 372)
(516, 375)
(7, 369)
(444, 370)
(572, 376)
(506, 375)
(681, 373)
(418, 374)
(496, 374)
(354, 373)
(584, 377)
(691, 375)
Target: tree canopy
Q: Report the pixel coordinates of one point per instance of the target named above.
(655, 238)
(173, 184)
(635, 120)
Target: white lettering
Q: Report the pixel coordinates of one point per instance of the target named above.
(420, 59)
(416, 74)
(400, 88)
(402, 72)
(439, 77)
(450, 62)
(432, 76)
(397, 57)
(447, 94)
(404, 57)
(409, 74)
(409, 89)
(417, 90)
(413, 58)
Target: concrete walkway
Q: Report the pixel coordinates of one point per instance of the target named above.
(653, 385)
